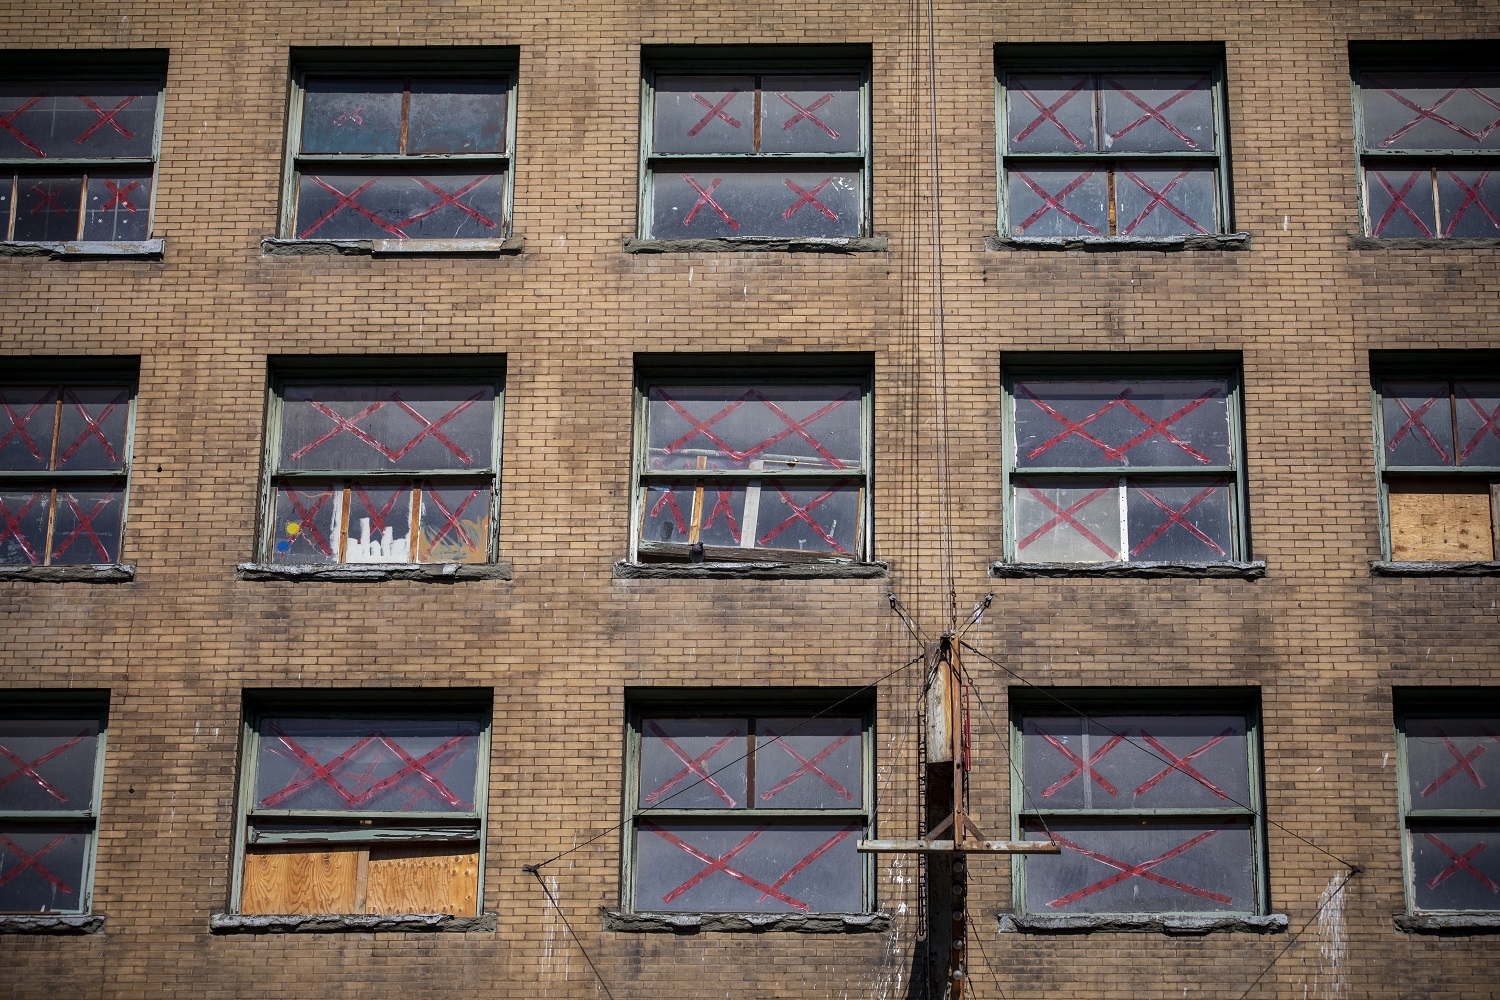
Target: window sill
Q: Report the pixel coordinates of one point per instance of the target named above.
(1174, 924)
(274, 247)
(1109, 244)
(1359, 242)
(336, 923)
(625, 570)
(51, 923)
(1449, 923)
(1140, 570)
(91, 573)
(375, 572)
(795, 923)
(1383, 567)
(82, 249)
(745, 244)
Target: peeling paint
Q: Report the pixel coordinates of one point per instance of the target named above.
(1328, 982)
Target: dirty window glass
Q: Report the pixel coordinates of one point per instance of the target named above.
(1451, 790)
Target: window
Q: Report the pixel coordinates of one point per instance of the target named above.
(1450, 797)
(739, 148)
(758, 467)
(408, 151)
(1153, 798)
(64, 468)
(383, 471)
(748, 805)
(1439, 451)
(1429, 143)
(78, 153)
(1107, 465)
(51, 769)
(361, 804)
(1121, 146)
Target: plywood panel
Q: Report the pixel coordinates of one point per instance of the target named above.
(424, 879)
(1434, 520)
(299, 880)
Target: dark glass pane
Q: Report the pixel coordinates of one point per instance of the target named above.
(755, 201)
(27, 415)
(671, 509)
(344, 205)
(305, 527)
(1455, 866)
(1070, 521)
(1173, 761)
(41, 869)
(23, 526)
(1437, 111)
(1058, 201)
(1142, 866)
(1157, 112)
(722, 516)
(455, 523)
(118, 206)
(1470, 203)
(1050, 112)
(1058, 755)
(368, 765)
(456, 116)
(823, 518)
(92, 427)
(48, 207)
(48, 764)
(1180, 520)
(1417, 421)
(1453, 763)
(374, 427)
(56, 120)
(1171, 201)
(809, 763)
(351, 116)
(694, 763)
(1398, 202)
(88, 524)
(1478, 422)
(703, 114)
(1135, 424)
(772, 427)
(378, 528)
(748, 867)
(810, 114)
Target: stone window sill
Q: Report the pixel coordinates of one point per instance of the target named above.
(1111, 244)
(748, 244)
(1382, 567)
(625, 570)
(360, 923)
(51, 923)
(273, 247)
(1358, 242)
(1140, 570)
(82, 249)
(376, 572)
(795, 923)
(91, 573)
(1173, 924)
(1449, 923)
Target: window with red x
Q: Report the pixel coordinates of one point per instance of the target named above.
(756, 153)
(78, 157)
(51, 768)
(1450, 794)
(737, 811)
(64, 468)
(1138, 469)
(389, 471)
(1122, 150)
(1154, 804)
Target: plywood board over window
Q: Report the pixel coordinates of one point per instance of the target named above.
(1436, 521)
(408, 879)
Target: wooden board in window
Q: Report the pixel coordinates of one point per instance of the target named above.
(1440, 520)
(412, 878)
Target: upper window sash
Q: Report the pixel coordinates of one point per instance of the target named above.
(1404, 112)
(60, 121)
(1438, 425)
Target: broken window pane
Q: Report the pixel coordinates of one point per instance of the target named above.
(1074, 522)
(438, 204)
(1157, 112)
(1470, 202)
(1050, 112)
(1455, 865)
(455, 523)
(810, 114)
(1171, 201)
(450, 115)
(1478, 405)
(23, 533)
(47, 764)
(732, 426)
(72, 119)
(372, 427)
(87, 528)
(48, 207)
(1180, 520)
(753, 201)
(304, 528)
(1058, 201)
(42, 868)
(351, 116)
(27, 415)
(1140, 424)
(1398, 201)
(803, 763)
(703, 114)
(378, 527)
(694, 763)
(92, 426)
(1453, 763)
(118, 206)
(822, 518)
(1418, 423)
(1439, 111)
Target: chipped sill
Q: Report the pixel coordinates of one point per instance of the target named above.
(89, 573)
(51, 923)
(376, 572)
(1227, 570)
(359, 923)
(794, 923)
(1397, 567)
(745, 244)
(1109, 244)
(1449, 923)
(1176, 925)
(626, 570)
(274, 247)
(82, 249)
(1360, 242)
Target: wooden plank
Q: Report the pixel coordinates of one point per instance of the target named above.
(1440, 520)
(299, 880)
(426, 878)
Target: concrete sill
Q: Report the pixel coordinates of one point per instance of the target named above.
(624, 570)
(749, 244)
(90, 573)
(1176, 925)
(1448, 923)
(274, 247)
(1139, 570)
(51, 923)
(1358, 242)
(794, 923)
(82, 249)
(1113, 244)
(1381, 567)
(376, 572)
(358, 923)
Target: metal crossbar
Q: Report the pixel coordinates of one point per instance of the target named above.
(313, 771)
(692, 766)
(808, 765)
(29, 767)
(1127, 870)
(1461, 862)
(25, 861)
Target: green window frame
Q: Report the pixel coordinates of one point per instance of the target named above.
(1114, 458)
(1154, 796)
(742, 801)
(769, 143)
(51, 780)
(414, 151)
(1112, 143)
